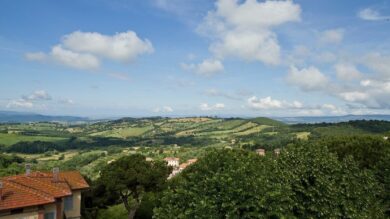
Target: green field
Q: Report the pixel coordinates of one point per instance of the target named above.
(9, 139)
(124, 132)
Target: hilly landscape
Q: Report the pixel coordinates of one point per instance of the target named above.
(195, 109)
(92, 147)
(51, 143)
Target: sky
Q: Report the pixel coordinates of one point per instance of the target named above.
(195, 57)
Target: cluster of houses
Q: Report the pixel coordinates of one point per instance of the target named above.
(42, 195)
(174, 162)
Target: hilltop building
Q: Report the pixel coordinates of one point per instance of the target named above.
(42, 195)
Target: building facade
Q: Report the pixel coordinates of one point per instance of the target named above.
(41, 195)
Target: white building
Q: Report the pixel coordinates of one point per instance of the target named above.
(172, 161)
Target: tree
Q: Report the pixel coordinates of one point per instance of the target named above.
(131, 177)
(304, 181)
(225, 184)
(324, 187)
(367, 151)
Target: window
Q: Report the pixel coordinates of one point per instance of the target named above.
(17, 211)
(68, 203)
(49, 215)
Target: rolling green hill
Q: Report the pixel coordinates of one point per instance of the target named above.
(267, 121)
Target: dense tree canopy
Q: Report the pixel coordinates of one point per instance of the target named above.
(370, 152)
(305, 181)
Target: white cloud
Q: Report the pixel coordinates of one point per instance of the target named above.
(30, 101)
(379, 63)
(354, 96)
(206, 68)
(371, 15)
(74, 59)
(269, 103)
(325, 57)
(318, 110)
(119, 76)
(20, 103)
(347, 71)
(66, 101)
(217, 93)
(38, 95)
(332, 36)
(333, 109)
(124, 46)
(307, 79)
(164, 109)
(264, 103)
(297, 104)
(243, 30)
(82, 50)
(36, 99)
(207, 107)
(35, 56)
(372, 93)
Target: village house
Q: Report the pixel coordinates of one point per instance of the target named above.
(42, 195)
(260, 152)
(172, 161)
(277, 151)
(176, 167)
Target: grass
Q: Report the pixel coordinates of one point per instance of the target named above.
(124, 132)
(303, 135)
(10, 139)
(256, 129)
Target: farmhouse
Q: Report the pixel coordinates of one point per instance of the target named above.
(172, 161)
(42, 195)
(177, 169)
(260, 152)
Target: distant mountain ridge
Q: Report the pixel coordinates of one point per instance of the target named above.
(23, 117)
(330, 119)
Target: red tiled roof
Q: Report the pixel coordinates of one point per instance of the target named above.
(75, 180)
(17, 196)
(38, 188)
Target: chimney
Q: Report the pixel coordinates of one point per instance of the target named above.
(1, 190)
(28, 169)
(56, 172)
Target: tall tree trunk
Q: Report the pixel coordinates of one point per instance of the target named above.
(133, 210)
(132, 213)
(130, 209)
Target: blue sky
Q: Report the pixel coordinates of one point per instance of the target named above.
(195, 57)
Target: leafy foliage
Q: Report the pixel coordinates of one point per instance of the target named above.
(10, 164)
(131, 177)
(304, 182)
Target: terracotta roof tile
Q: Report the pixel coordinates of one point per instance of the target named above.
(75, 180)
(38, 188)
(17, 196)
